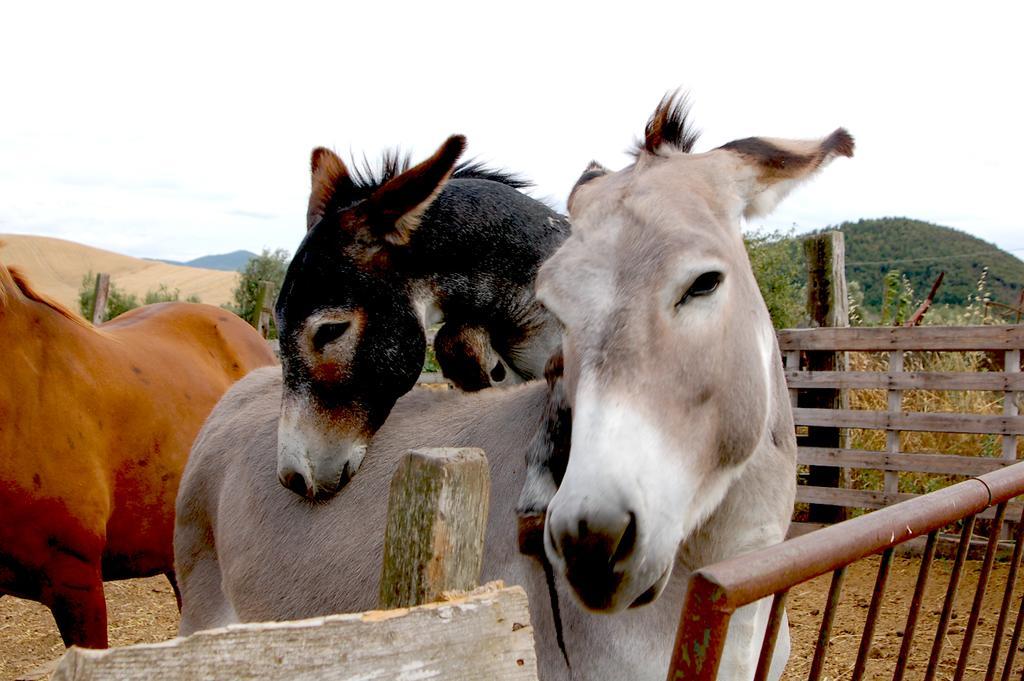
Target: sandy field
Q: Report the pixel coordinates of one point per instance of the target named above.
(56, 267)
(143, 610)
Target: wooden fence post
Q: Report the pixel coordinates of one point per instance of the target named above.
(437, 515)
(99, 298)
(827, 305)
(264, 309)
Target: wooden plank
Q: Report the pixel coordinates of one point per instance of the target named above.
(915, 421)
(792, 361)
(437, 515)
(99, 298)
(910, 380)
(894, 404)
(860, 498)
(914, 462)
(827, 298)
(484, 635)
(885, 339)
(264, 307)
(827, 306)
(1011, 366)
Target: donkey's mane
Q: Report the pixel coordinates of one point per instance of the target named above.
(669, 126)
(21, 281)
(478, 170)
(367, 176)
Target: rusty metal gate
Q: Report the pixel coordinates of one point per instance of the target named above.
(716, 591)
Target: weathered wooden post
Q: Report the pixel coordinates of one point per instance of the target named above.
(264, 309)
(827, 305)
(99, 298)
(437, 515)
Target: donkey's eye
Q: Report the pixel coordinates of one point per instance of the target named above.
(704, 285)
(326, 333)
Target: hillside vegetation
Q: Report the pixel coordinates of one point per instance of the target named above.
(920, 250)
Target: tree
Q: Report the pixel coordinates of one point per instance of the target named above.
(267, 266)
(776, 261)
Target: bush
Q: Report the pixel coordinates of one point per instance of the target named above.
(778, 267)
(118, 300)
(268, 266)
(163, 294)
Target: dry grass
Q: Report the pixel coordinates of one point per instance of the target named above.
(955, 401)
(56, 267)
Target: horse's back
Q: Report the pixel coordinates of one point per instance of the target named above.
(201, 332)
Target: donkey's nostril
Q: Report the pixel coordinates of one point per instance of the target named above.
(498, 373)
(294, 481)
(626, 542)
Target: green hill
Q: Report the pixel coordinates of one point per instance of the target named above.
(920, 250)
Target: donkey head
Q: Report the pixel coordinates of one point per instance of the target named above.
(352, 342)
(670, 362)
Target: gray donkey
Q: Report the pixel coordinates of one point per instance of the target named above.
(682, 444)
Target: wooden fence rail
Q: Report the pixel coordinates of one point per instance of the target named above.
(800, 346)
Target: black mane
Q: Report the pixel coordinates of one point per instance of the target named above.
(478, 170)
(669, 125)
(367, 176)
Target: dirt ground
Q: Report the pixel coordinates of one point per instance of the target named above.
(807, 601)
(143, 610)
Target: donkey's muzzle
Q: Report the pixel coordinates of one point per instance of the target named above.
(303, 486)
(594, 549)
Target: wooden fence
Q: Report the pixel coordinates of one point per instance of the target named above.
(437, 513)
(800, 347)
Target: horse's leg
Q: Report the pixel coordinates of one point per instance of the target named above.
(174, 587)
(743, 643)
(80, 610)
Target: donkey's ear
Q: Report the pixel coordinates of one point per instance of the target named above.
(397, 206)
(777, 166)
(592, 171)
(329, 178)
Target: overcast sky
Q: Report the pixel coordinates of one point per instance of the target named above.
(176, 130)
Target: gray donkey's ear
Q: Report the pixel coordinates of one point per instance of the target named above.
(329, 177)
(591, 172)
(778, 165)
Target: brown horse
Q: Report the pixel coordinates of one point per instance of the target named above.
(95, 427)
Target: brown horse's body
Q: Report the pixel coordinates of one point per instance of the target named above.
(95, 428)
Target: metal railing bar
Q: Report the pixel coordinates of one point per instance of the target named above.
(703, 625)
(872, 618)
(1004, 610)
(805, 557)
(947, 604)
(979, 592)
(825, 632)
(771, 634)
(915, 605)
(1011, 653)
